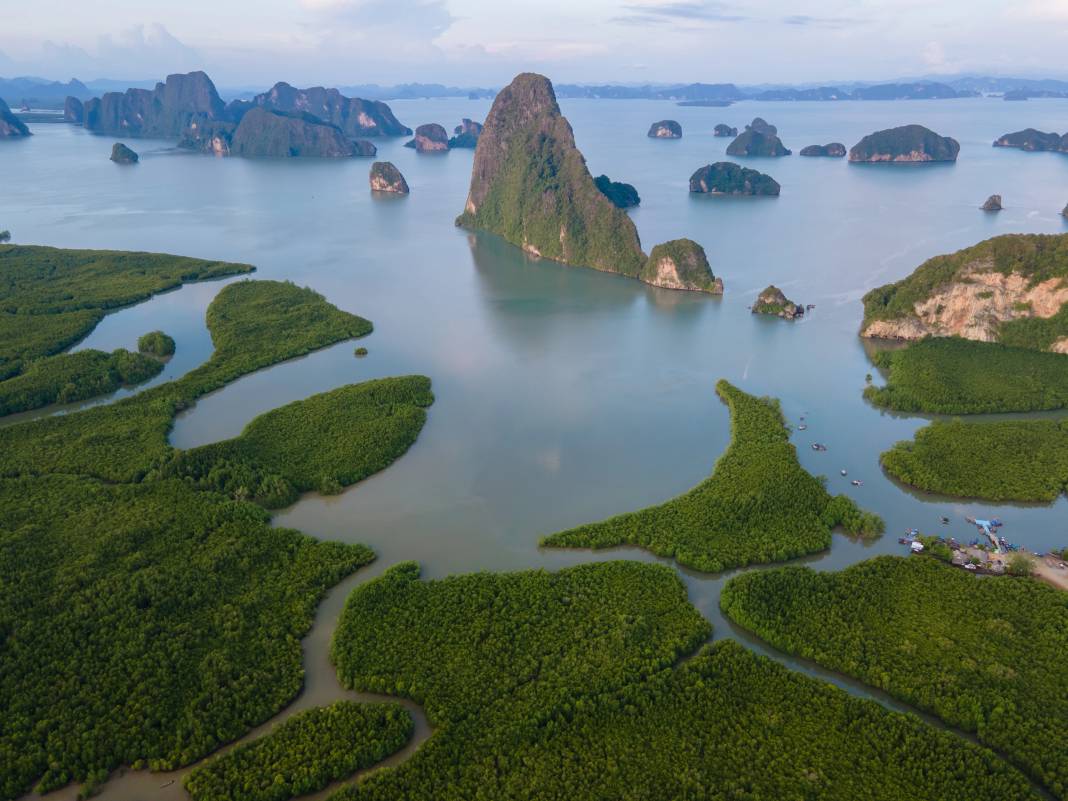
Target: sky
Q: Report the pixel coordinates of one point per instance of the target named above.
(252, 43)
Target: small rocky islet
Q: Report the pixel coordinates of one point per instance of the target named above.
(121, 154)
(385, 177)
(665, 129)
(992, 203)
(728, 178)
(429, 138)
(773, 301)
(906, 144)
(723, 130)
(681, 264)
(834, 150)
(758, 139)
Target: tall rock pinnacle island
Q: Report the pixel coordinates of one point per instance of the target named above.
(531, 186)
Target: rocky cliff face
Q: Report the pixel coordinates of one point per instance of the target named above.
(355, 116)
(164, 112)
(907, 144)
(975, 292)
(466, 134)
(530, 185)
(834, 150)
(121, 154)
(728, 178)
(773, 301)
(11, 127)
(73, 110)
(387, 178)
(665, 129)
(276, 134)
(758, 139)
(681, 264)
(1031, 140)
(429, 138)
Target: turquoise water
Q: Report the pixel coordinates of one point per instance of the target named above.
(563, 395)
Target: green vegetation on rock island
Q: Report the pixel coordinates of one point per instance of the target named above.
(759, 504)
(530, 185)
(1009, 288)
(568, 685)
(728, 178)
(681, 264)
(949, 375)
(304, 754)
(156, 343)
(905, 144)
(147, 619)
(121, 154)
(623, 196)
(758, 139)
(984, 655)
(1005, 460)
(772, 301)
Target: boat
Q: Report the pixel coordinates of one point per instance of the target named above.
(843, 472)
(856, 482)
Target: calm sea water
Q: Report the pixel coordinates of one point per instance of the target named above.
(563, 395)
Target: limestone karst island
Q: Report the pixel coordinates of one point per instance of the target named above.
(645, 400)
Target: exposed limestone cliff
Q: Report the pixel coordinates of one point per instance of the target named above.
(985, 292)
(429, 138)
(387, 178)
(11, 127)
(772, 301)
(992, 203)
(355, 116)
(73, 110)
(530, 185)
(681, 264)
(164, 112)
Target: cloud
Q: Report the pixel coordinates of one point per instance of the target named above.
(803, 20)
(678, 13)
(422, 18)
(145, 50)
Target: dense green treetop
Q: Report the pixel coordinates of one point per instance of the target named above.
(75, 287)
(566, 685)
(253, 324)
(949, 375)
(906, 143)
(304, 754)
(145, 622)
(69, 377)
(1037, 257)
(156, 343)
(1005, 460)
(530, 185)
(984, 654)
(325, 442)
(759, 504)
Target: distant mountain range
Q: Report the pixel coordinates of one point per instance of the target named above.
(41, 93)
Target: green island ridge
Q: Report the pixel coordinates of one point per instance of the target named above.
(758, 139)
(759, 505)
(773, 301)
(253, 324)
(569, 685)
(1010, 289)
(156, 343)
(530, 185)
(70, 377)
(1005, 460)
(728, 178)
(984, 655)
(148, 621)
(304, 754)
(320, 443)
(950, 375)
(906, 144)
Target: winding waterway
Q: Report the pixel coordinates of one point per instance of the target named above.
(563, 395)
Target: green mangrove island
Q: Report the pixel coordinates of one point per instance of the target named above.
(592, 682)
(151, 613)
(759, 505)
(907, 626)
